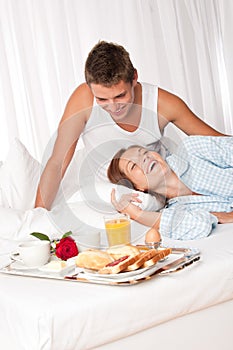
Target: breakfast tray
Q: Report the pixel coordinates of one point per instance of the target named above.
(177, 260)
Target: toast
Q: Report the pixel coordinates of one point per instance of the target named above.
(114, 261)
(142, 259)
(160, 254)
(122, 250)
(93, 259)
(119, 265)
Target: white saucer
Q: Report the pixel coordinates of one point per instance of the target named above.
(18, 265)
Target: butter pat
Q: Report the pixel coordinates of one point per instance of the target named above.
(54, 266)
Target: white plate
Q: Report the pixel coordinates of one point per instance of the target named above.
(121, 276)
(117, 276)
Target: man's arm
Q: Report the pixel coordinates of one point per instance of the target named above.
(173, 109)
(70, 128)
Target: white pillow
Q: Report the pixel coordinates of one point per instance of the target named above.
(100, 193)
(19, 178)
(20, 174)
(1, 195)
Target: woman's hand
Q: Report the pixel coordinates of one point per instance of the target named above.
(223, 217)
(125, 205)
(125, 200)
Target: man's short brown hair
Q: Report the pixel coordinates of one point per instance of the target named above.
(107, 64)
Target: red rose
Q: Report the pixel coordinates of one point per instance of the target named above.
(66, 248)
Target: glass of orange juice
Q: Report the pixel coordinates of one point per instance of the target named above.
(118, 229)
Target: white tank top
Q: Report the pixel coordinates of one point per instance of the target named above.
(102, 137)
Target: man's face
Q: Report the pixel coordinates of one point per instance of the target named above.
(116, 100)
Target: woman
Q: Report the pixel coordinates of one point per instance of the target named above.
(197, 182)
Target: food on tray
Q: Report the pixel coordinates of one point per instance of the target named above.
(120, 259)
(152, 236)
(119, 265)
(93, 259)
(142, 259)
(160, 254)
(121, 250)
(54, 266)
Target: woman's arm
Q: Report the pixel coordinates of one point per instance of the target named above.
(224, 218)
(184, 222)
(125, 205)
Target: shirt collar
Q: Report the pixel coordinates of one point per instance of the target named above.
(178, 165)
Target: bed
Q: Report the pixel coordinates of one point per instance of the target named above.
(189, 308)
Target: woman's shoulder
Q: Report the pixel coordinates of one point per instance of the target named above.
(200, 141)
(217, 149)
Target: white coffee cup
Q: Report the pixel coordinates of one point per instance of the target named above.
(33, 253)
(88, 241)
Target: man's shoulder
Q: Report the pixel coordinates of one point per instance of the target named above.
(80, 102)
(83, 91)
(82, 98)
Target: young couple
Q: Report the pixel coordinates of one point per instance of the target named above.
(110, 110)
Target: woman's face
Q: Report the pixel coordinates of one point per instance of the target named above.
(145, 169)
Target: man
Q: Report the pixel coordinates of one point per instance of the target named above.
(127, 112)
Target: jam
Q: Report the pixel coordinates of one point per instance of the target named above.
(118, 261)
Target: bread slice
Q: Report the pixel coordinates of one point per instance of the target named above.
(93, 259)
(142, 259)
(161, 254)
(118, 265)
(122, 250)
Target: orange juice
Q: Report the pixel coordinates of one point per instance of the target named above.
(118, 231)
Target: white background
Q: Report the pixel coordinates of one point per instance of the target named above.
(184, 46)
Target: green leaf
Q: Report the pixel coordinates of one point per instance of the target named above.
(67, 234)
(40, 236)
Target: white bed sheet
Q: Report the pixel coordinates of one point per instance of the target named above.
(209, 328)
(49, 314)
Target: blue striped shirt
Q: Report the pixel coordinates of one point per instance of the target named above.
(205, 165)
